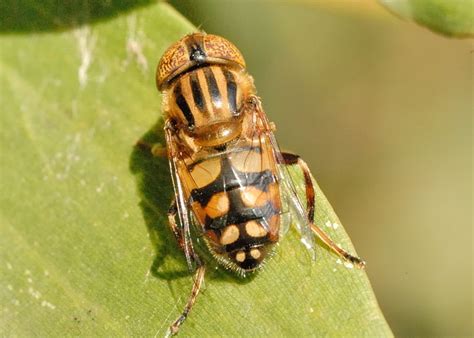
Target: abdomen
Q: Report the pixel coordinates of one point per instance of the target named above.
(236, 201)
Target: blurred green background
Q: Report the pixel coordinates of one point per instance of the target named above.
(381, 110)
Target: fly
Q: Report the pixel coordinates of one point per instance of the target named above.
(230, 178)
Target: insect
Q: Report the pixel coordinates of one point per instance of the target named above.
(229, 175)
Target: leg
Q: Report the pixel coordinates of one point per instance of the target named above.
(198, 279)
(172, 211)
(198, 275)
(292, 159)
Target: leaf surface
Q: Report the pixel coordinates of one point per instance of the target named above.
(449, 17)
(85, 246)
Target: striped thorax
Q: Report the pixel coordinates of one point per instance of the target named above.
(205, 102)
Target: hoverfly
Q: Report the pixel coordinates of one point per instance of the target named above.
(230, 178)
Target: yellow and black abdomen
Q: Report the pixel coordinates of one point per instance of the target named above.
(236, 200)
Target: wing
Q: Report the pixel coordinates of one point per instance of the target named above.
(292, 203)
(181, 203)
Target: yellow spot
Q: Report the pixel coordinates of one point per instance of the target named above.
(253, 197)
(240, 257)
(202, 174)
(255, 253)
(254, 161)
(218, 205)
(230, 234)
(255, 229)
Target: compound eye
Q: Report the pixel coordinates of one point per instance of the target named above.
(222, 50)
(194, 50)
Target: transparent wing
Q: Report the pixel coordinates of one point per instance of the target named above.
(290, 198)
(184, 215)
(231, 185)
(244, 173)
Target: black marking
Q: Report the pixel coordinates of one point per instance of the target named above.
(231, 90)
(239, 213)
(230, 178)
(197, 92)
(212, 85)
(188, 70)
(289, 158)
(245, 242)
(196, 50)
(249, 264)
(183, 105)
(238, 216)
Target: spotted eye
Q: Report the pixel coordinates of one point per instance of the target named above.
(192, 51)
(220, 50)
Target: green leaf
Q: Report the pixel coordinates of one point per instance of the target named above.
(449, 17)
(85, 246)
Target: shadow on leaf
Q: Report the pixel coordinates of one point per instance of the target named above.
(156, 191)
